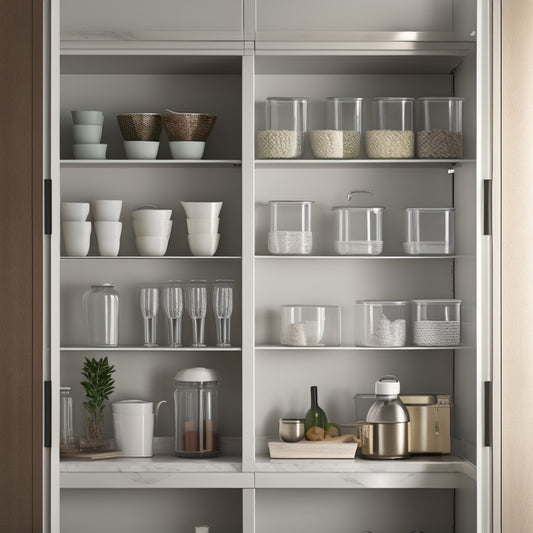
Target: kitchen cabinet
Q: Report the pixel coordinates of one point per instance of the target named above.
(261, 380)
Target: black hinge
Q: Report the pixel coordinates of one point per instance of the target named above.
(48, 206)
(487, 400)
(48, 414)
(487, 207)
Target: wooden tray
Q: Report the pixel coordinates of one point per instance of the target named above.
(306, 449)
(90, 456)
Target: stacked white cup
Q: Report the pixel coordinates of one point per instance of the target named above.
(202, 225)
(107, 225)
(152, 229)
(87, 134)
(75, 227)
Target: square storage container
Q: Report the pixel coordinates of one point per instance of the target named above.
(439, 128)
(436, 322)
(310, 325)
(391, 132)
(381, 323)
(286, 124)
(359, 230)
(429, 230)
(344, 114)
(290, 227)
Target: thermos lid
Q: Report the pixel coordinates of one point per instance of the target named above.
(387, 386)
(197, 374)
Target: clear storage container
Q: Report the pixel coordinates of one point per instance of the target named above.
(290, 227)
(359, 230)
(286, 125)
(67, 438)
(100, 311)
(344, 114)
(436, 322)
(391, 133)
(439, 128)
(381, 323)
(429, 230)
(310, 325)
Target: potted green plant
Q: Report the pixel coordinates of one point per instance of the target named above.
(98, 384)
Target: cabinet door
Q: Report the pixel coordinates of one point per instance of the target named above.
(156, 20)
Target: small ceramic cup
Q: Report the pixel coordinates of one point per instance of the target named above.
(87, 133)
(74, 211)
(291, 429)
(141, 149)
(108, 237)
(205, 244)
(107, 210)
(77, 237)
(89, 151)
(87, 117)
(187, 149)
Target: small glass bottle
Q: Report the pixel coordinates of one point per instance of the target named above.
(315, 416)
(100, 311)
(66, 439)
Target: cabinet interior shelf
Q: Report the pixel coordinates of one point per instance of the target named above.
(358, 257)
(149, 257)
(305, 163)
(278, 347)
(145, 349)
(126, 163)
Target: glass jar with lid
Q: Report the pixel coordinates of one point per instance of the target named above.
(345, 114)
(391, 133)
(290, 227)
(286, 125)
(100, 312)
(381, 323)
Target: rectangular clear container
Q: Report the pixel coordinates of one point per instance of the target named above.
(429, 230)
(286, 125)
(344, 114)
(290, 227)
(359, 230)
(310, 325)
(381, 322)
(391, 132)
(436, 322)
(439, 128)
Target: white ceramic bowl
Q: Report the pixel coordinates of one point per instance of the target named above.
(202, 209)
(152, 228)
(203, 243)
(202, 225)
(89, 151)
(71, 211)
(151, 214)
(108, 210)
(141, 149)
(77, 237)
(151, 245)
(87, 133)
(187, 149)
(87, 117)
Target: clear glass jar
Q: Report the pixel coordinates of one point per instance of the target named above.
(391, 133)
(286, 125)
(345, 114)
(429, 230)
(100, 311)
(310, 325)
(196, 412)
(381, 323)
(439, 128)
(290, 227)
(66, 410)
(436, 322)
(359, 230)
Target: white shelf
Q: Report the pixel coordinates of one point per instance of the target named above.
(277, 347)
(149, 257)
(357, 257)
(305, 163)
(126, 163)
(145, 349)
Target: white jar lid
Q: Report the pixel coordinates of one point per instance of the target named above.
(196, 374)
(387, 386)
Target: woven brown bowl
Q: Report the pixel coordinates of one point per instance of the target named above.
(188, 126)
(140, 126)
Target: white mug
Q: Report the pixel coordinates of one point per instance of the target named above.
(74, 211)
(108, 237)
(77, 237)
(134, 434)
(107, 210)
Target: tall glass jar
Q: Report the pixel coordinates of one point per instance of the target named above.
(286, 125)
(290, 227)
(66, 438)
(344, 114)
(100, 312)
(391, 133)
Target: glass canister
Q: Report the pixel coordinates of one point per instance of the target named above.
(196, 412)
(429, 230)
(359, 230)
(66, 409)
(286, 125)
(290, 227)
(381, 323)
(391, 133)
(310, 325)
(439, 128)
(100, 311)
(345, 114)
(436, 322)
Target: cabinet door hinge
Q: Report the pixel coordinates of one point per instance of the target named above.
(48, 206)
(487, 408)
(487, 207)
(47, 400)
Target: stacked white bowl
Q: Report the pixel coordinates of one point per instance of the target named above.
(76, 228)
(152, 229)
(87, 134)
(202, 225)
(108, 228)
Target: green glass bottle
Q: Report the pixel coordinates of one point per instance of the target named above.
(315, 416)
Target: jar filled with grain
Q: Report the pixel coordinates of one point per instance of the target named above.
(290, 227)
(439, 128)
(286, 125)
(391, 133)
(344, 114)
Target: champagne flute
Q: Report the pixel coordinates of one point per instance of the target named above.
(198, 310)
(222, 308)
(149, 310)
(173, 307)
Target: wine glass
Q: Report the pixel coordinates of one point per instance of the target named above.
(222, 308)
(149, 310)
(172, 296)
(198, 310)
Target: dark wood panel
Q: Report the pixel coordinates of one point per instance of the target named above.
(20, 266)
